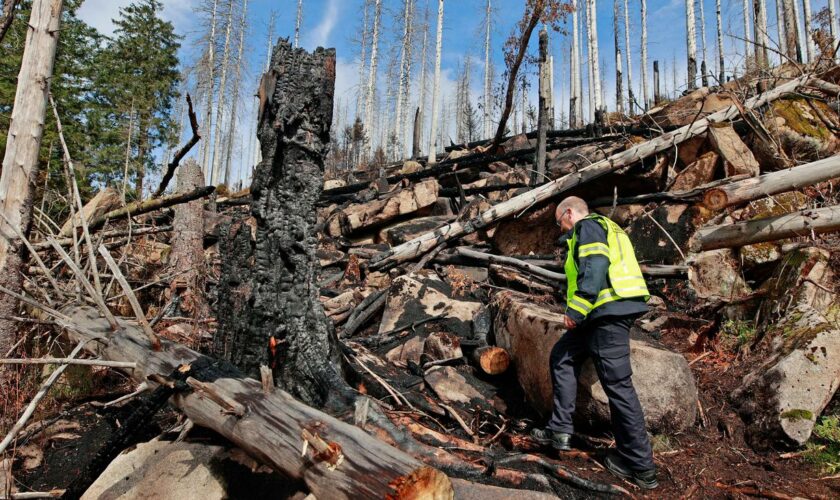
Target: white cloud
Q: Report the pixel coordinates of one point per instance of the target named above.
(320, 35)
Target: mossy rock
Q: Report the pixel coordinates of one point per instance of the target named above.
(798, 414)
(802, 119)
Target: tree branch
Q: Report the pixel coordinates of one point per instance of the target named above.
(181, 153)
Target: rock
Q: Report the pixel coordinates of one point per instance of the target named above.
(699, 172)
(103, 202)
(781, 399)
(377, 212)
(535, 232)
(662, 378)
(458, 153)
(716, 274)
(803, 135)
(425, 296)
(410, 167)
(737, 157)
(161, 469)
(334, 184)
(408, 230)
(410, 350)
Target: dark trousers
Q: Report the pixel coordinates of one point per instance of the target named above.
(607, 341)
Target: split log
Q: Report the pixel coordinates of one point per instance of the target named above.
(802, 223)
(737, 157)
(105, 200)
(423, 244)
(377, 212)
(144, 207)
(772, 183)
(274, 428)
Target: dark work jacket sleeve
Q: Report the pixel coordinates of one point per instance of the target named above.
(592, 269)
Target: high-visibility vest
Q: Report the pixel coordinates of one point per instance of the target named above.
(625, 276)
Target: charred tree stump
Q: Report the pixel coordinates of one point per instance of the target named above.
(272, 314)
(188, 246)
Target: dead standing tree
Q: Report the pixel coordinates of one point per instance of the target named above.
(7, 15)
(20, 163)
(269, 309)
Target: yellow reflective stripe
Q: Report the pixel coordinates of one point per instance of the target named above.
(593, 251)
(606, 295)
(590, 246)
(580, 305)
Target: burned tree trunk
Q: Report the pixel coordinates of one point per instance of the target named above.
(269, 309)
(188, 245)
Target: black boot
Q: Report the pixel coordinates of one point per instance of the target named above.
(559, 440)
(616, 465)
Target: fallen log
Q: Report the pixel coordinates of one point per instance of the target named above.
(423, 244)
(274, 427)
(66, 242)
(802, 223)
(772, 183)
(146, 206)
(520, 264)
(694, 194)
(493, 360)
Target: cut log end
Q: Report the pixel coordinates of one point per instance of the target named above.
(492, 360)
(715, 199)
(425, 483)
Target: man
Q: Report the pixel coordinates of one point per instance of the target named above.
(605, 294)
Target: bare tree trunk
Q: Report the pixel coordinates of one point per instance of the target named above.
(644, 55)
(760, 13)
(794, 50)
(360, 95)
(298, 20)
(188, 245)
(211, 83)
(270, 310)
(574, 71)
(721, 65)
(436, 86)
(587, 59)
(631, 98)
(592, 31)
(405, 61)
(780, 28)
(237, 82)
(220, 107)
(704, 76)
(488, 124)
(20, 160)
(542, 121)
(810, 49)
(619, 78)
(657, 96)
(796, 22)
(371, 82)
(421, 105)
(691, 41)
(834, 26)
(745, 12)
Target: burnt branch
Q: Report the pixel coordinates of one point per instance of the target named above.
(181, 153)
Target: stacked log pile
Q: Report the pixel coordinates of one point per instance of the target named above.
(443, 287)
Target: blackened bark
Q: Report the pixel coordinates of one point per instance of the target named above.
(269, 309)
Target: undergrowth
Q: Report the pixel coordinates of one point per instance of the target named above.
(823, 450)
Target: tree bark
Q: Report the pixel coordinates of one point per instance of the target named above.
(371, 81)
(211, 83)
(237, 82)
(426, 242)
(220, 107)
(619, 78)
(772, 183)
(594, 60)
(760, 13)
(803, 223)
(188, 245)
(644, 55)
(274, 425)
(544, 96)
(20, 161)
(745, 13)
(298, 20)
(721, 69)
(7, 16)
(488, 124)
(691, 42)
(271, 312)
(810, 49)
(436, 86)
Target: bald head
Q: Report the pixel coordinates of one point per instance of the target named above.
(570, 211)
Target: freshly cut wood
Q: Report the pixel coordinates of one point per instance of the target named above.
(105, 200)
(144, 207)
(699, 172)
(405, 201)
(802, 223)
(423, 244)
(493, 360)
(772, 183)
(737, 157)
(275, 426)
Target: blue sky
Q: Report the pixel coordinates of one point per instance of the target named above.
(336, 23)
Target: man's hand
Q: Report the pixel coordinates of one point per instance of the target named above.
(570, 323)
